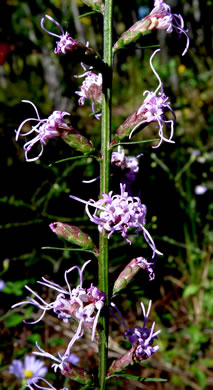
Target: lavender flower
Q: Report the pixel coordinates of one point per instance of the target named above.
(141, 338)
(128, 164)
(82, 305)
(200, 189)
(124, 162)
(91, 89)
(154, 107)
(119, 213)
(162, 18)
(30, 369)
(34, 383)
(45, 129)
(65, 43)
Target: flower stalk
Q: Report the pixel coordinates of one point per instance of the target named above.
(104, 185)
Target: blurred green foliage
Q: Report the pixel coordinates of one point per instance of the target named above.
(33, 195)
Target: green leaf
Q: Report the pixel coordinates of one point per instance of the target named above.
(69, 249)
(200, 376)
(71, 158)
(207, 363)
(138, 378)
(16, 287)
(33, 338)
(86, 14)
(14, 320)
(134, 142)
(191, 290)
(56, 341)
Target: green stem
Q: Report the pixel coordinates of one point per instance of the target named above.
(104, 186)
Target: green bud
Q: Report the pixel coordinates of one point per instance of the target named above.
(77, 141)
(142, 27)
(73, 234)
(125, 129)
(127, 274)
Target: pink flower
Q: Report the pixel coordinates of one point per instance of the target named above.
(65, 43)
(44, 129)
(162, 18)
(153, 109)
(119, 213)
(82, 305)
(91, 89)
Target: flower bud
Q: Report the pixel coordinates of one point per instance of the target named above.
(76, 373)
(122, 362)
(130, 271)
(133, 34)
(127, 126)
(73, 234)
(77, 141)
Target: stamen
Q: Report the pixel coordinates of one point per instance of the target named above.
(55, 22)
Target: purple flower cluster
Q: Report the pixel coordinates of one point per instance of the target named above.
(154, 107)
(44, 129)
(119, 213)
(82, 305)
(124, 162)
(65, 43)
(162, 18)
(91, 89)
(29, 370)
(140, 337)
(128, 165)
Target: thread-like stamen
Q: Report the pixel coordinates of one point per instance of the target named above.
(160, 86)
(121, 320)
(55, 22)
